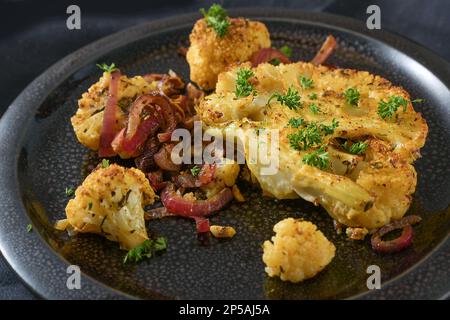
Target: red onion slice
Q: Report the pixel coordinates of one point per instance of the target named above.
(176, 203)
(109, 126)
(266, 55)
(398, 244)
(325, 51)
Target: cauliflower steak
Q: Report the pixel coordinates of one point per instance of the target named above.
(347, 138)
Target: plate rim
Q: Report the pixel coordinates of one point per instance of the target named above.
(34, 94)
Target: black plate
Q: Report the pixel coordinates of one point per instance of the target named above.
(40, 157)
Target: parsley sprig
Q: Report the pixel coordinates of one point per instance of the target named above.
(291, 99)
(318, 158)
(296, 122)
(314, 108)
(386, 109)
(352, 96)
(106, 68)
(195, 170)
(105, 163)
(306, 83)
(216, 18)
(243, 87)
(311, 135)
(287, 51)
(356, 148)
(145, 250)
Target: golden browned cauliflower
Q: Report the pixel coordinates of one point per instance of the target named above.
(297, 252)
(110, 202)
(209, 54)
(88, 120)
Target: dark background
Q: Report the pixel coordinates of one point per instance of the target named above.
(33, 36)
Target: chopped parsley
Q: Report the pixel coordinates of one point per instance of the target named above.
(275, 61)
(313, 96)
(216, 18)
(418, 100)
(195, 170)
(69, 191)
(386, 109)
(243, 87)
(106, 68)
(145, 250)
(329, 129)
(287, 51)
(306, 83)
(295, 122)
(311, 135)
(318, 158)
(90, 206)
(291, 99)
(105, 163)
(356, 148)
(314, 108)
(305, 138)
(352, 96)
(29, 228)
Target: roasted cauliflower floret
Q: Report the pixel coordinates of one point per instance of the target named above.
(209, 54)
(110, 202)
(88, 120)
(298, 251)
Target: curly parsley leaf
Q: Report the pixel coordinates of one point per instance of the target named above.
(314, 108)
(305, 138)
(313, 96)
(296, 122)
(145, 250)
(357, 148)
(306, 83)
(318, 158)
(105, 163)
(195, 170)
(243, 87)
(106, 68)
(329, 129)
(291, 99)
(386, 109)
(216, 18)
(287, 51)
(69, 192)
(352, 96)
(311, 135)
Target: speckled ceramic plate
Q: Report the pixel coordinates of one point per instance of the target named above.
(40, 157)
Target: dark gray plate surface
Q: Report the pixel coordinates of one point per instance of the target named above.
(40, 157)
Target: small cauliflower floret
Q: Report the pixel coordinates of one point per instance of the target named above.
(110, 202)
(209, 54)
(88, 121)
(297, 252)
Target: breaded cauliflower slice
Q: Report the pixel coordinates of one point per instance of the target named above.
(209, 54)
(110, 202)
(87, 122)
(297, 252)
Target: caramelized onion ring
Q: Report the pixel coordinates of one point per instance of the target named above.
(176, 203)
(398, 244)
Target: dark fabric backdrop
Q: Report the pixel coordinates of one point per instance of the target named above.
(33, 36)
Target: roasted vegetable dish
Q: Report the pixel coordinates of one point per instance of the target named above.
(339, 138)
